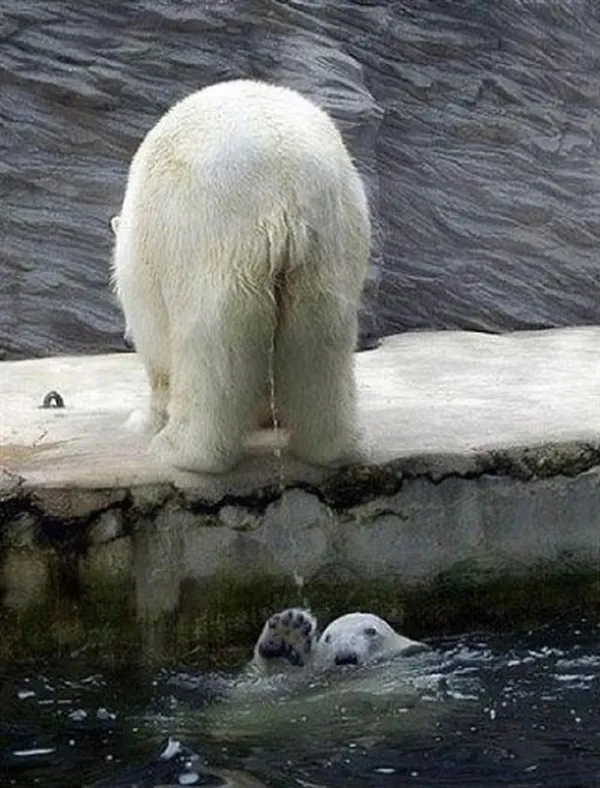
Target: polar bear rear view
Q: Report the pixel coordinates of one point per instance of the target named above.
(244, 239)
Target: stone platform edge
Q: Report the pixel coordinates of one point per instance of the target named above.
(435, 543)
(80, 504)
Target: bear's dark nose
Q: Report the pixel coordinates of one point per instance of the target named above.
(346, 658)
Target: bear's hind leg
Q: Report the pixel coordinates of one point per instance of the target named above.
(153, 418)
(315, 390)
(219, 373)
(148, 326)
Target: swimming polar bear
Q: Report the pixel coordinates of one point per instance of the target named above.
(359, 665)
(289, 640)
(241, 251)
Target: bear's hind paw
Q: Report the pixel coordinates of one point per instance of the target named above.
(171, 451)
(146, 422)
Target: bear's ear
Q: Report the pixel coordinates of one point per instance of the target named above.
(114, 224)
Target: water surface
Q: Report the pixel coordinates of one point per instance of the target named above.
(507, 710)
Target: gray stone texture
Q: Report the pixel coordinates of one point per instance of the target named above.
(475, 125)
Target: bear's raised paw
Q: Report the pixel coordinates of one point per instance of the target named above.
(289, 635)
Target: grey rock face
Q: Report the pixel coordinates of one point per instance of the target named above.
(475, 126)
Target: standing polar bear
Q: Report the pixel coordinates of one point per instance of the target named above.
(241, 251)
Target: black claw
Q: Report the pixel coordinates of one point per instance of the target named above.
(295, 657)
(306, 627)
(286, 619)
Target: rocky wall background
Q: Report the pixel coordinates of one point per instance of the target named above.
(475, 123)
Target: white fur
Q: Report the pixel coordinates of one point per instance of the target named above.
(244, 232)
(362, 636)
(352, 639)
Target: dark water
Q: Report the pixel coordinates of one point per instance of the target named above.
(475, 123)
(511, 710)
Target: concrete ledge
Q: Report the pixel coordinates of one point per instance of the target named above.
(482, 501)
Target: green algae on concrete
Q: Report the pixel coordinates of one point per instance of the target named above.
(177, 584)
(216, 623)
(101, 624)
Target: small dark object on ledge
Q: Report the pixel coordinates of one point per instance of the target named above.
(53, 400)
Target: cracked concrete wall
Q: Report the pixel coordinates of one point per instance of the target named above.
(167, 558)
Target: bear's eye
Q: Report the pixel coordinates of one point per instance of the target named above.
(370, 632)
(327, 638)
